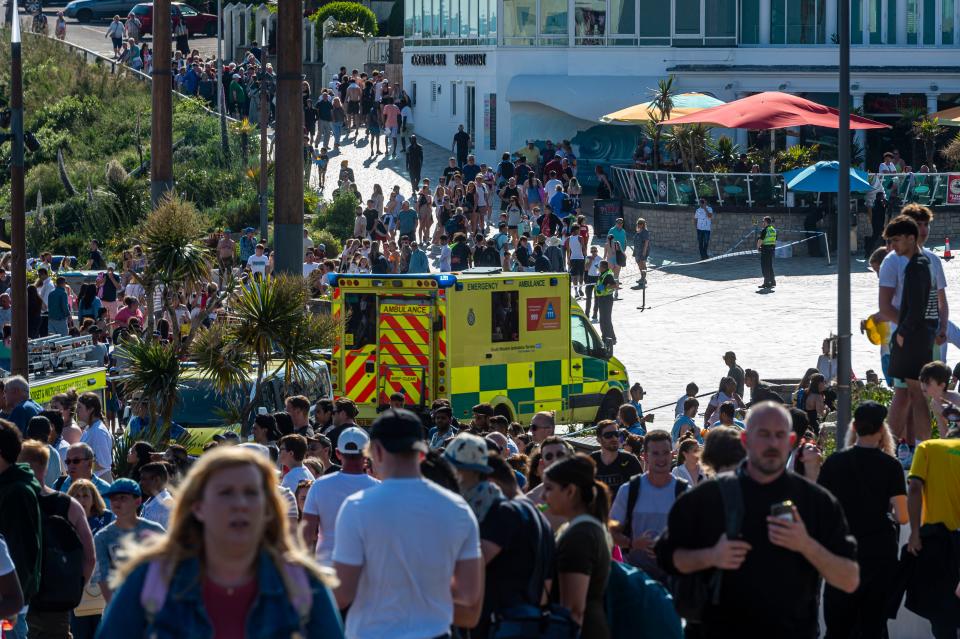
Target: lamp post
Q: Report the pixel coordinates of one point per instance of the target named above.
(843, 229)
(264, 121)
(161, 128)
(221, 97)
(18, 241)
(288, 150)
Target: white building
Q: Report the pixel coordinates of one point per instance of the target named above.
(510, 70)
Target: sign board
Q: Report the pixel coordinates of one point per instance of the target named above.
(953, 188)
(543, 313)
(605, 214)
(663, 188)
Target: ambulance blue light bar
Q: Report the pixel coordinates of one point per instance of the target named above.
(443, 280)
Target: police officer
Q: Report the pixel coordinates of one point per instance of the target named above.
(606, 286)
(767, 245)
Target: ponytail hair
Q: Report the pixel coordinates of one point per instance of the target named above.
(581, 471)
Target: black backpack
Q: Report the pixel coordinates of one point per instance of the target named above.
(61, 571)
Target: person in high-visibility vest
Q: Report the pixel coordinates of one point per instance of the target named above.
(767, 245)
(606, 286)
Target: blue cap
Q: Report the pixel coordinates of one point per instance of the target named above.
(249, 229)
(123, 486)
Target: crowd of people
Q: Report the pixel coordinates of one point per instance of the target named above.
(317, 525)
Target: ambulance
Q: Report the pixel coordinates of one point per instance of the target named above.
(514, 340)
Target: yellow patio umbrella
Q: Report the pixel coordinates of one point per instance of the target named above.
(948, 117)
(683, 104)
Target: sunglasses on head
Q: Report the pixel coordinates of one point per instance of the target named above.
(549, 457)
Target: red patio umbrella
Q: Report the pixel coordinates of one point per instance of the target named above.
(773, 110)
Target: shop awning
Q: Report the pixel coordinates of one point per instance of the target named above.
(585, 97)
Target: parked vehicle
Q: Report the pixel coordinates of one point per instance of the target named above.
(197, 23)
(89, 10)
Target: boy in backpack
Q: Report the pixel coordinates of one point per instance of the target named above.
(642, 505)
(67, 551)
(125, 497)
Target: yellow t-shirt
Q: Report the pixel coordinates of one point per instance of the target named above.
(937, 463)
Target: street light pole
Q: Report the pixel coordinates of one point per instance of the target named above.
(221, 97)
(843, 229)
(288, 150)
(264, 121)
(161, 127)
(18, 241)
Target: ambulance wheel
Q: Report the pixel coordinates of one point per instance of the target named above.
(610, 405)
(504, 411)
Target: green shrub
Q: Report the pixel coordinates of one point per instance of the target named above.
(330, 243)
(45, 179)
(338, 216)
(347, 12)
(240, 212)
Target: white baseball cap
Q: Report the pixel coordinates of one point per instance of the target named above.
(353, 441)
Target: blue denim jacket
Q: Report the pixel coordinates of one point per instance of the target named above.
(183, 616)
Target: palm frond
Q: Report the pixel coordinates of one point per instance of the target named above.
(220, 358)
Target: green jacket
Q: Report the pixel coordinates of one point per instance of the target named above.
(237, 93)
(19, 493)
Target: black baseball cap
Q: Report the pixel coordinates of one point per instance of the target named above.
(399, 431)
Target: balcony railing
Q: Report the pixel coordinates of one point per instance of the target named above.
(675, 188)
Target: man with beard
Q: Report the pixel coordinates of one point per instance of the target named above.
(790, 532)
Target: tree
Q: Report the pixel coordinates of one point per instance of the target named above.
(951, 152)
(662, 106)
(153, 374)
(797, 157)
(270, 334)
(926, 130)
(725, 153)
(347, 12)
(176, 260)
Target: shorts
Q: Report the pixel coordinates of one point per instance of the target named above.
(576, 268)
(643, 258)
(373, 130)
(353, 108)
(117, 42)
(591, 279)
(393, 131)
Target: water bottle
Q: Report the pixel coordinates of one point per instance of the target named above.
(903, 452)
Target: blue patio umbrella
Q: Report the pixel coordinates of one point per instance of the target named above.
(823, 177)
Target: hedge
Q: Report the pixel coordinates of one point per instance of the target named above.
(347, 12)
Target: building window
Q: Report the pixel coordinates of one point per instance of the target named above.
(519, 22)
(655, 23)
(720, 20)
(800, 21)
(875, 21)
(553, 22)
(413, 93)
(929, 21)
(409, 19)
(947, 22)
(453, 7)
(453, 98)
(623, 17)
(687, 18)
(750, 22)
(591, 21)
(913, 19)
(856, 31)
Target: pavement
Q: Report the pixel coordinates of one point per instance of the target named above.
(92, 36)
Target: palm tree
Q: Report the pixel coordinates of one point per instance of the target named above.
(662, 106)
(270, 334)
(176, 259)
(926, 130)
(725, 153)
(951, 152)
(153, 374)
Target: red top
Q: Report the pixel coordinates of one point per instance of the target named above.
(773, 110)
(228, 608)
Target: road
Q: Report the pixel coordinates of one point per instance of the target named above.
(92, 36)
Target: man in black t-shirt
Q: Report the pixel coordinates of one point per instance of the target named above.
(95, 263)
(614, 466)
(451, 169)
(771, 572)
(518, 548)
(344, 411)
(372, 216)
(461, 145)
(867, 482)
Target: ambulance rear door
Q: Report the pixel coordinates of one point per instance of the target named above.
(405, 349)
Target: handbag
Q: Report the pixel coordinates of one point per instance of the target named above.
(92, 602)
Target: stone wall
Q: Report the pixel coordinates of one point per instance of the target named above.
(673, 227)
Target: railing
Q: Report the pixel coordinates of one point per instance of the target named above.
(758, 189)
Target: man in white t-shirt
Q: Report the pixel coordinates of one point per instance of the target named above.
(909, 414)
(293, 449)
(573, 247)
(407, 552)
(309, 263)
(328, 493)
(258, 261)
(703, 217)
